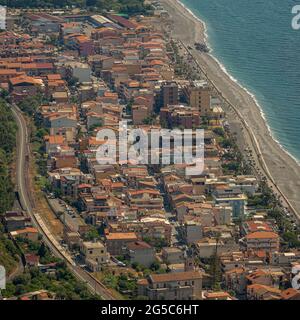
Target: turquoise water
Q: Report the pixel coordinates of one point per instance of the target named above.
(254, 40)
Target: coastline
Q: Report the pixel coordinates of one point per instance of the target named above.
(224, 69)
(283, 167)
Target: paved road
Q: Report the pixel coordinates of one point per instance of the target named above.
(257, 154)
(94, 285)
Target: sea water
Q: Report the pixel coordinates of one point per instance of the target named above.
(255, 42)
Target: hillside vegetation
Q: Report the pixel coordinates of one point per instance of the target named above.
(8, 130)
(130, 7)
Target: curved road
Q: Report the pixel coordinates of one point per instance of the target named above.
(93, 284)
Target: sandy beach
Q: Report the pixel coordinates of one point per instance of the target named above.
(283, 169)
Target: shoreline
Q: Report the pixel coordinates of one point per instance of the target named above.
(283, 167)
(224, 69)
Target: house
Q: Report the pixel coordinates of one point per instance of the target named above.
(26, 233)
(266, 277)
(207, 247)
(31, 260)
(6, 74)
(192, 232)
(262, 240)
(172, 255)
(80, 71)
(38, 295)
(172, 286)
(53, 143)
(235, 280)
(220, 295)
(141, 252)
(94, 255)
(14, 220)
(37, 68)
(55, 85)
(60, 96)
(284, 258)
(24, 86)
(263, 292)
(145, 198)
(62, 121)
(290, 294)
(68, 180)
(116, 242)
(72, 239)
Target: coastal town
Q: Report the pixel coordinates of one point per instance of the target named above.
(79, 228)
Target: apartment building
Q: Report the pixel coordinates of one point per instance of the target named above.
(262, 240)
(198, 95)
(94, 255)
(169, 94)
(180, 116)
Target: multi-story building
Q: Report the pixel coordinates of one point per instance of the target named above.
(231, 197)
(198, 95)
(116, 242)
(94, 255)
(192, 232)
(172, 255)
(141, 252)
(180, 116)
(172, 286)
(169, 94)
(262, 240)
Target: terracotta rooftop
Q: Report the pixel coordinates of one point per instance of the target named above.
(178, 276)
(121, 236)
(138, 245)
(262, 235)
(55, 139)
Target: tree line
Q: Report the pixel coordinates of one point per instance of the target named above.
(130, 7)
(8, 130)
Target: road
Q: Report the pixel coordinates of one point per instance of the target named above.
(93, 284)
(257, 154)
